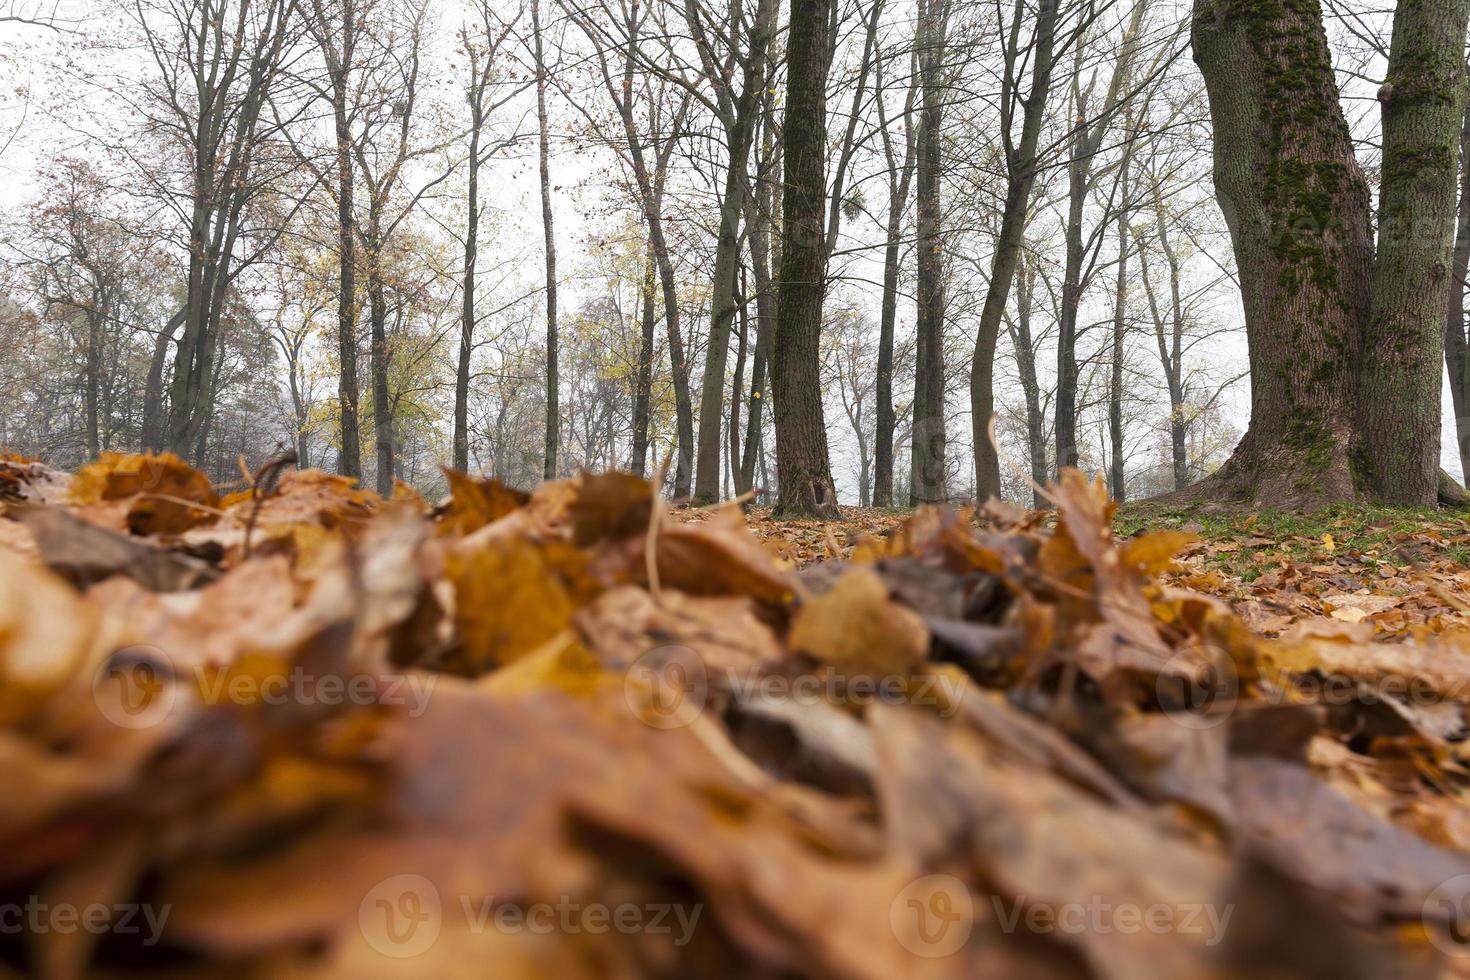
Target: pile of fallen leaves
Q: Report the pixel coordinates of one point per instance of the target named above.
(1394, 575)
(300, 729)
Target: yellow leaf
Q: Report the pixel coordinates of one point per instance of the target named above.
(560, 664)
(509, 600)
(1154, 553)
(45, 630)
(160, 487)
(473, 503)
(858, 629)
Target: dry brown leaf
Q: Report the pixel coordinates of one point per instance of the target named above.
(859, 630)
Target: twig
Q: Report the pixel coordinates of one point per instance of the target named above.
(650, 540)
(263, 484)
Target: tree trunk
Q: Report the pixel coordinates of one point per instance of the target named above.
(349, 459)
(378, 366)
(1169, 335)
(765, 329)
(886, 420)
(650, 182)
(1455, 349)
(151, 435)
(1342, 347)
(679, 370)
(1021, 165)
(801, 432)
(298, 404)
(739, 133)
(467, 310)
(1296, 203)
(901, 174)
(643, 389)
(928, 442)
(553, 381)
(737, 390)
(92, 380)
(1399, 382)
(761, 218)
(1025, 352)
(1120, 332)
(1079, 172)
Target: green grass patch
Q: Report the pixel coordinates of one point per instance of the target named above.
(1253, 543)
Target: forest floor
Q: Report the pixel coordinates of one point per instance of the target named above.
(301, 730)
(1400, 571)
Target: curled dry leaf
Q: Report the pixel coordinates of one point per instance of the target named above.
(155, 491)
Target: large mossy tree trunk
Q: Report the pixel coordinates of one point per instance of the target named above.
(1298, 208)
(802, 462)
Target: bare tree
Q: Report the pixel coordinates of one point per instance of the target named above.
(648, 146)
(216, 62)
(801, 433)
(335, 26)
(543, 128)
(1021, 163)
(737, 109)
(929, 437)
(900, 172)
(482, 44)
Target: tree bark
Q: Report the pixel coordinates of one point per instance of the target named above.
(739, 133)
(643, 387)
(929, 438)
(1340, 345)
(152, 435)
(1455, 349)
(765, 330)
(1021, 166)
(761, 217)
(378, 358)
(900, 179)
(553, 400)
(801, 434)
(1087, 140)
(349, 459)
(1399, 386)
(1296, 203)
(737, 390)
(650, 181)
(340, 63)
(1169, 335)
(1117, 476)
(1025, 353)
(471, 256)
(1079, 178)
